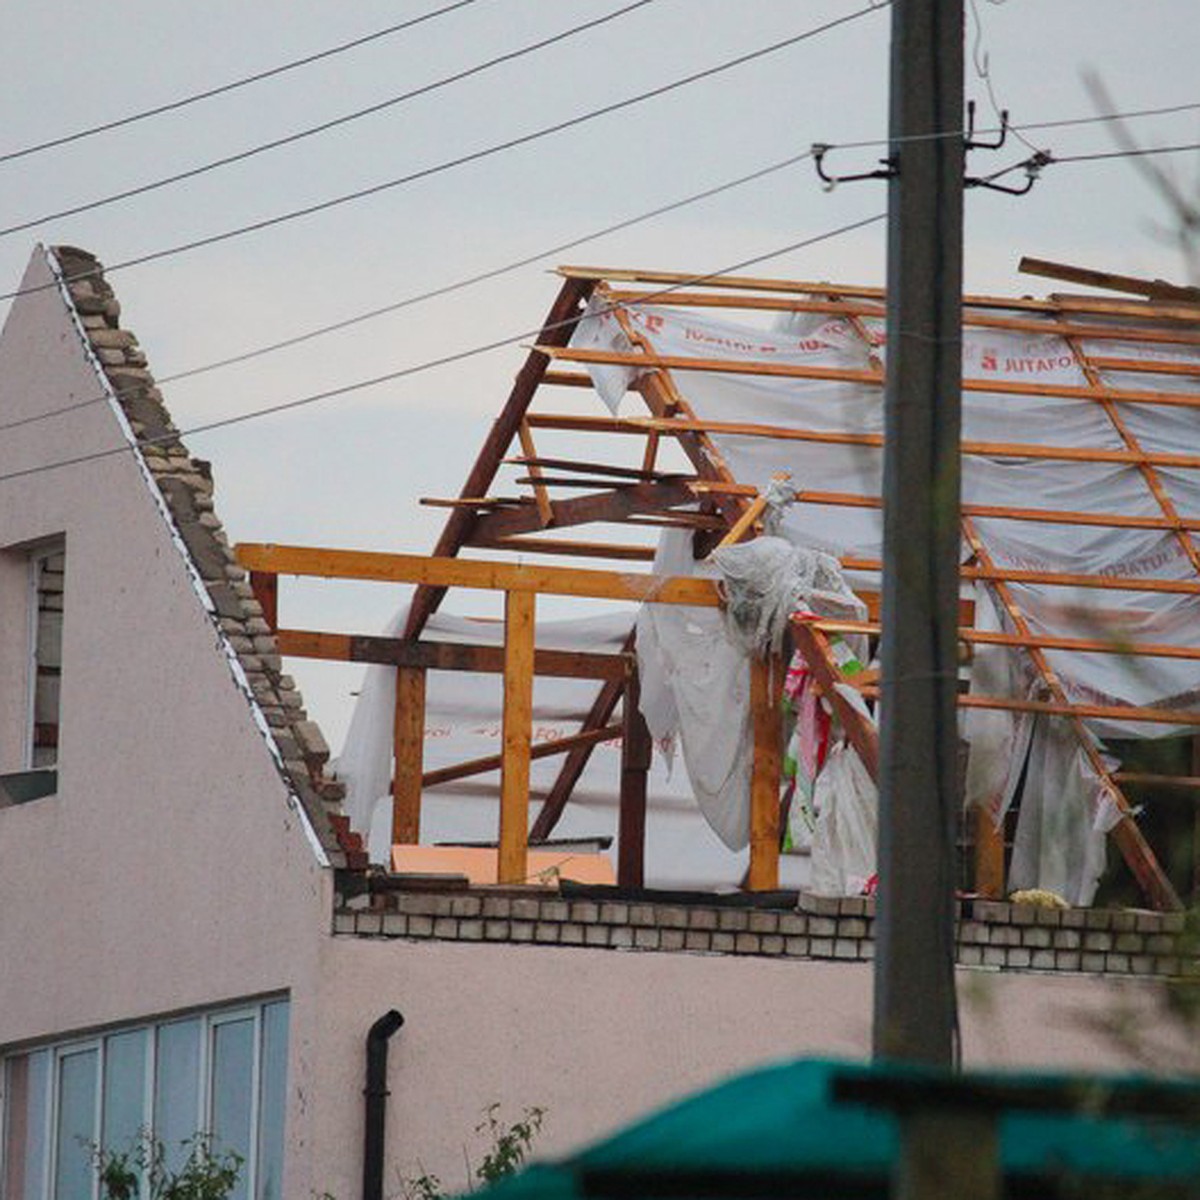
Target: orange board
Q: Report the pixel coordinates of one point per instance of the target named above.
(479, 864)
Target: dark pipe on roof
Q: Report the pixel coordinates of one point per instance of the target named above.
(376, 1093)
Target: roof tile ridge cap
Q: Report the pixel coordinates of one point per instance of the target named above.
(186, 486)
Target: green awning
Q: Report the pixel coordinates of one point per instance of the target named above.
(811, 1128)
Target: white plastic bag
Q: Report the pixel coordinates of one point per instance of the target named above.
(846, 836)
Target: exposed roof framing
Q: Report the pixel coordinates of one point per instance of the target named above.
(1121, 357)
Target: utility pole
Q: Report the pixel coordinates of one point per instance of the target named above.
(915, 1008)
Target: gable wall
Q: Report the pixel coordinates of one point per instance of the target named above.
(171, 869)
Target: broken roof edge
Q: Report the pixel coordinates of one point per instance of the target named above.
(182, 488)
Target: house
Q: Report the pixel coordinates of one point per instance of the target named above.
(193, 936)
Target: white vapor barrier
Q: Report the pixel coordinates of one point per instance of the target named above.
(462, 722)
(1089, 488)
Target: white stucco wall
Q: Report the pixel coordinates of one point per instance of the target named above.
(169, 870)
(599, 1037)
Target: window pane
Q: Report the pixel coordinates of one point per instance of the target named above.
(273, 1104)
(177, 1088)
(76, 1133)
(27, 1081)
(125, 1113)
(233, 1093)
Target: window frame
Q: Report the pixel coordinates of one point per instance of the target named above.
(210, 1021)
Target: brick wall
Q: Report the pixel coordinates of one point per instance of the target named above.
(991, 934)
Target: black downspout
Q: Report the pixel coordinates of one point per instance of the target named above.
(376, 1094)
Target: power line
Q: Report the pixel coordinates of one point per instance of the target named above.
(221, 89)
(473, 156)
(428, 364)
(1139, 152)
(324, 126)
(432, 293)
(1066, 123)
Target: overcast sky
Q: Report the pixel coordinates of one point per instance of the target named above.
(349, 472)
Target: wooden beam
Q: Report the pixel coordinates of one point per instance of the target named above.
(627, 474)
(493, 762)
(559, 325)
(641, 425)
(766, 684)
(540, 495)
(972, 317)
(516, 732)
(614, 504)
(1110, 645)
(537, 545)
(573, 766)
(636, 751)
(409, 744)
(1048, 516)
(777, 370)
(1153, 289)
(473, 573)
(443, 656)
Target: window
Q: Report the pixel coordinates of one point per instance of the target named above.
(45, 573)
(222, 1073)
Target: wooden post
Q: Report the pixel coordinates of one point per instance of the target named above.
(989, 854)
(766, 679)
(635, 762)
(409, 747)
(517, 727)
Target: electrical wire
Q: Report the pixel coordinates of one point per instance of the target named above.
(324, 126)
(432, 293)
(233, 85)
(476, 155)
(429, 364)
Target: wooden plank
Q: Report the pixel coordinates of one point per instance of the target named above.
(540, 496)
(443, 656)
(454, 572)
(1050, 516)
(471, 502)
(641, 425)
(777, 370)
(265, 587)
(537, 545)
(583, 481)
(560, 324)
(631, 474)
(1120, 583)
(973, 318)
(755, 283)
(766, 683)
(1153, 289)
(1149, 779)
(516, 732)
(493, 762)
(610, 505)
(636, 751)
(1110, 645)
(409, 748)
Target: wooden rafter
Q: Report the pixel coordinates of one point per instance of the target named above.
(556, 331)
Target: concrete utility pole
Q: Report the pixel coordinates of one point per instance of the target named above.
(915, 1011)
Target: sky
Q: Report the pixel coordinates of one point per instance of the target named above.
(350, 471)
